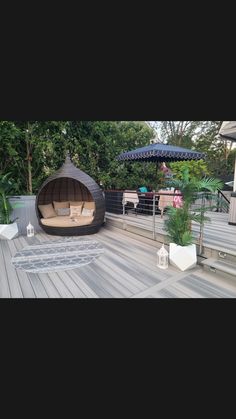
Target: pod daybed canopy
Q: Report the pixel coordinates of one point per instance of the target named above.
(70, 184)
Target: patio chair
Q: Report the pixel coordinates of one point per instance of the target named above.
(130, 197)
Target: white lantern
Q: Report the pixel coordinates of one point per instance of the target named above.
(162, 258)
(30, 230)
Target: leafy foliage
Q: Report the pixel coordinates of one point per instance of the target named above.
(196, 168)
(5, 206)
(201, 136)
(31, 150)
(218, 151)
(178, 224)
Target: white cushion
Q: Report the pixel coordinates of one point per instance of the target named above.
(63, 211)
(75, 211)
(87, 212)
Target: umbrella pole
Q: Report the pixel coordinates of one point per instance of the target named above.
(156, 167)
(153, 215)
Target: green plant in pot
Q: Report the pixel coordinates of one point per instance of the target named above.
(179, 220)
(8, 227)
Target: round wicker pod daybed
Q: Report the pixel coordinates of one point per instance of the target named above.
(71, 184)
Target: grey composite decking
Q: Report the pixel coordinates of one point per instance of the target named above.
(127, 269)
(218, 234)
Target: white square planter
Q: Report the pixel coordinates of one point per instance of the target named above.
(8, 231)
(183, 257)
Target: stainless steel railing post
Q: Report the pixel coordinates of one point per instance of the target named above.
(154, 215)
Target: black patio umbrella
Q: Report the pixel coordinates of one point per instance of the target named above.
(160, 153)
(228, 132)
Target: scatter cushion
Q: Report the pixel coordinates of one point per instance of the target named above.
(58, 204)
(47, 211)
(87, 212)
(63, 211)
(89, 205)
(75, 211)
(76, 203)
(143, 189)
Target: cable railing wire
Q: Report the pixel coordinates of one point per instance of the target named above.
(148, 211)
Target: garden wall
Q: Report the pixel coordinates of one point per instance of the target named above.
(25, 212)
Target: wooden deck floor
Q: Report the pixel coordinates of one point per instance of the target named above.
(127, 269)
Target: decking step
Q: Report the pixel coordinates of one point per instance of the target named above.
(218, 248)
(219, 253)
(214, 245)
(222, 266)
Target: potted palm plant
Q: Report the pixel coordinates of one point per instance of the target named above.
(8, 227)
(182, 250)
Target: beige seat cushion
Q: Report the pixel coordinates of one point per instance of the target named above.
(89, 205)
(66, 221)
(47, 211)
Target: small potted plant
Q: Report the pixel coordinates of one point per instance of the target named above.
(182, 250)
(8, 227)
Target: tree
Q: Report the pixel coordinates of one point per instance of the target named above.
(5, 206)
(179, 133)
(9, 134)
(96, 145)
(196, 168)
(201, 136)
(218, 151)
(30, 151)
